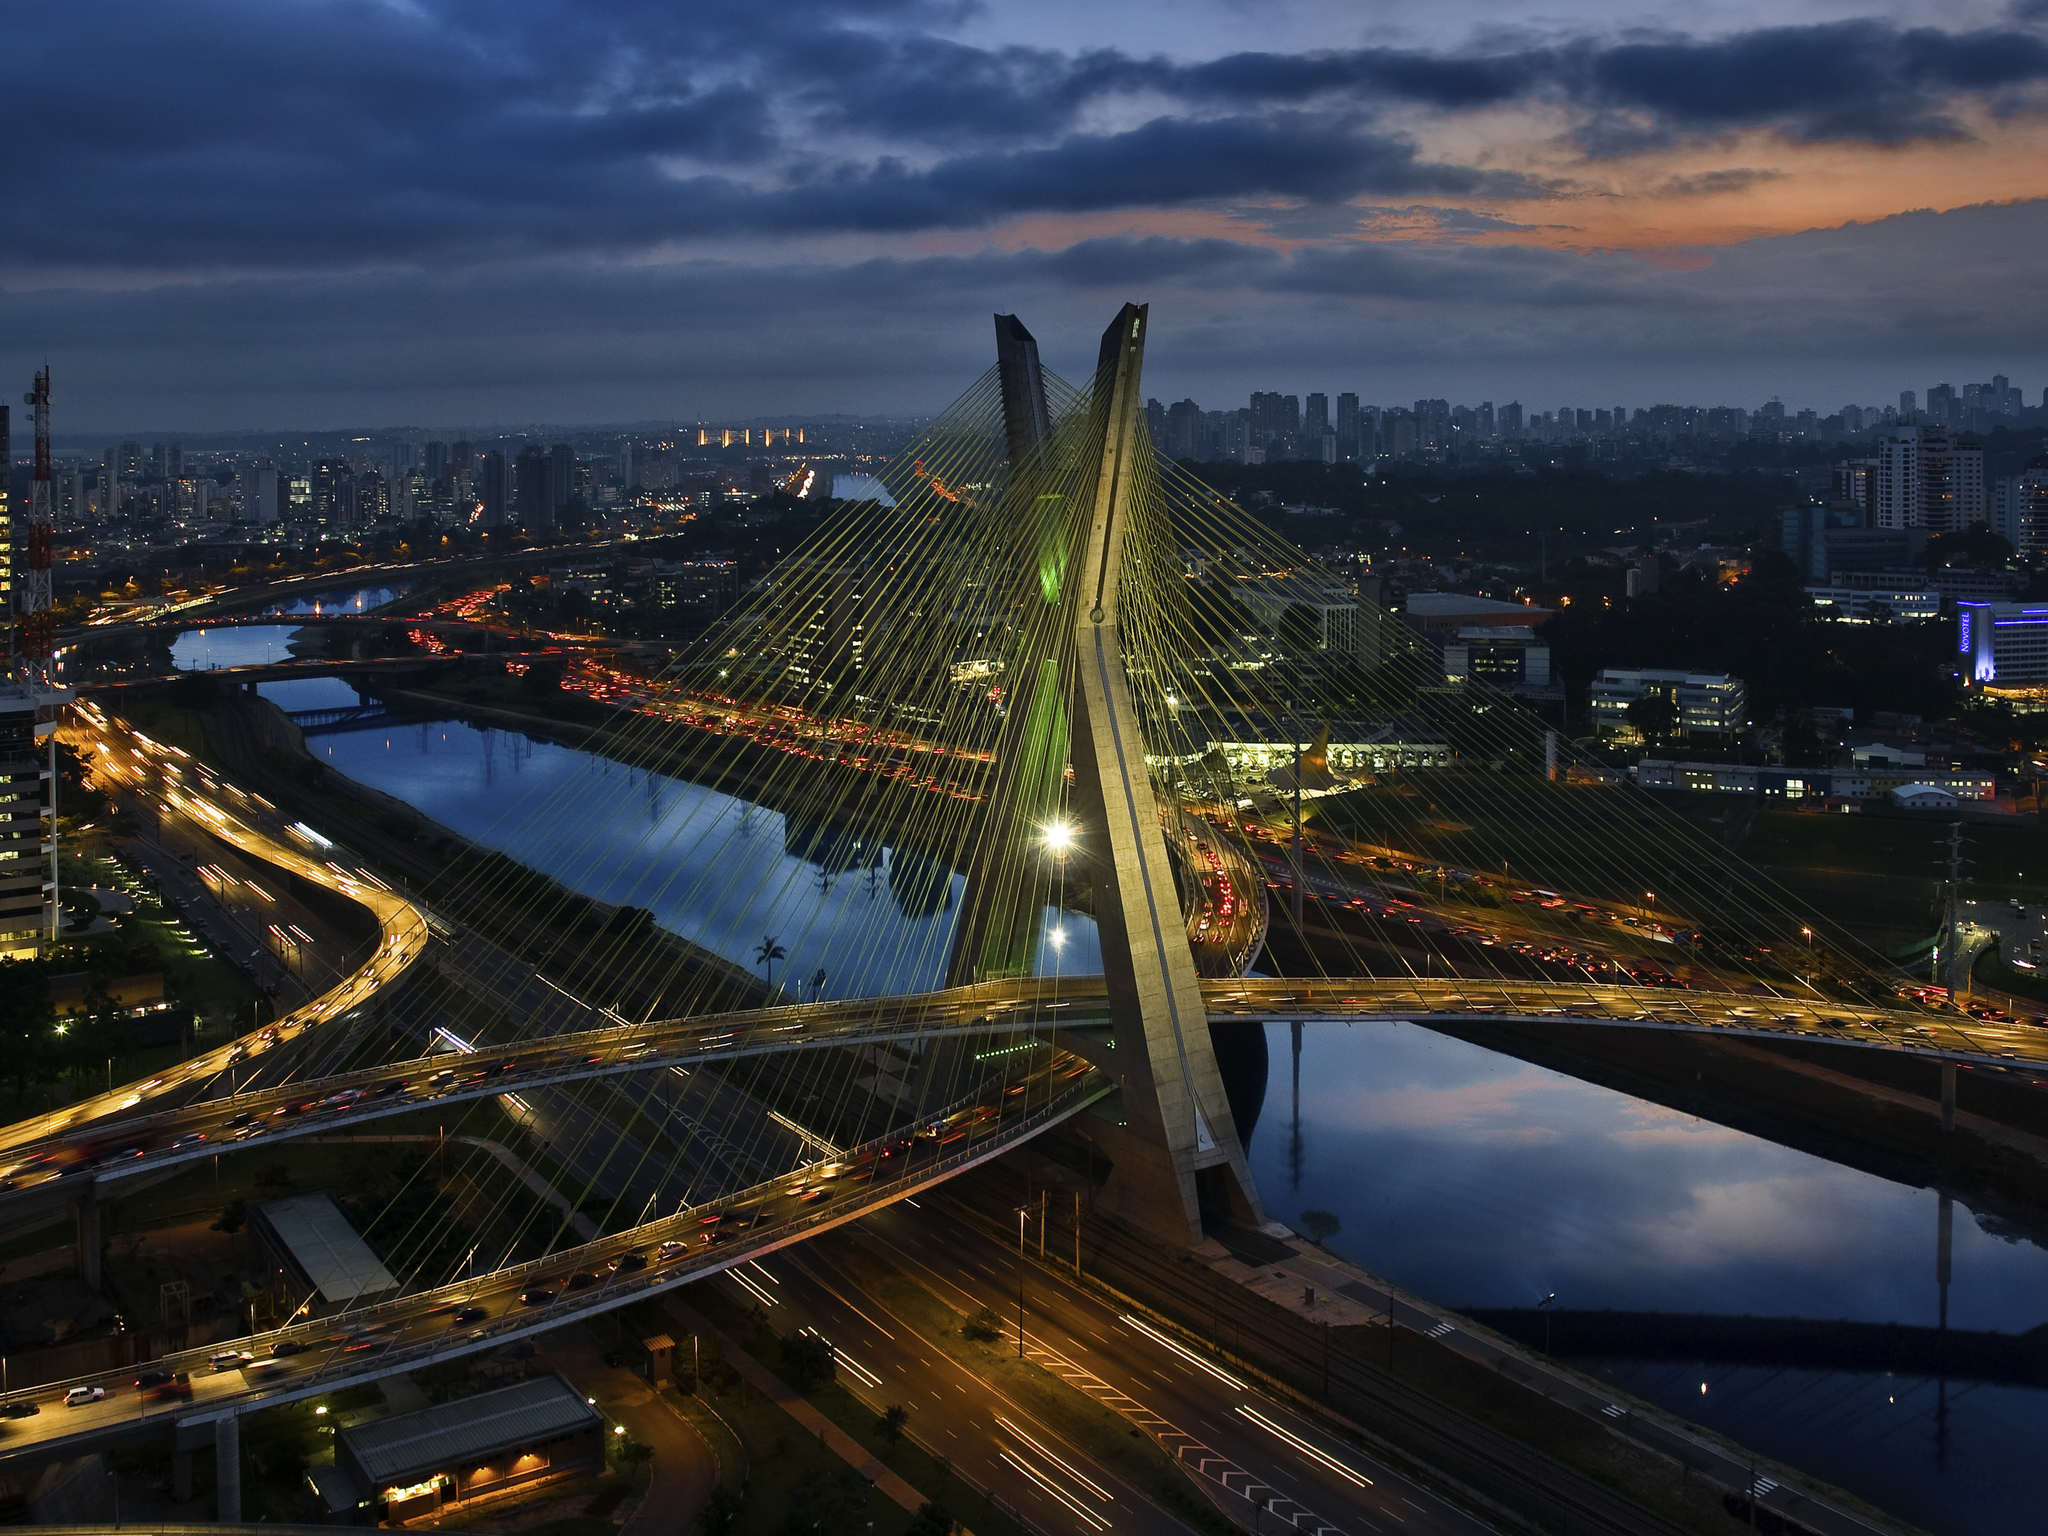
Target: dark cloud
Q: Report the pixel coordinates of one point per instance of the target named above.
(1854, 313)
(1717, 183)
(1861, 80)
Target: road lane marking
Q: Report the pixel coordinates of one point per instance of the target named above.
(1186, 1354)
(1073, 1505)
(1052, 1457)
(1314, 1453)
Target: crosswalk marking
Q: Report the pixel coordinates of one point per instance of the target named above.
(1614, 1411)
(1441, 1329)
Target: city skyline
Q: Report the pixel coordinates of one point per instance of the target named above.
(606, 212)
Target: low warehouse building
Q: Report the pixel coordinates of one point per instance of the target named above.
(417, 1464)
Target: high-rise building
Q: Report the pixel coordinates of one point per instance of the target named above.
(334, 493)
(562, 459)
(1511, 419)
(1184, 435)
(1941, 404)
(1347, 426)
(1315, 417)
(490, 488)
(2019, 509)
(6, 518)
(533, 487)
(437, 460)
(1909, 403)
(1927, 479)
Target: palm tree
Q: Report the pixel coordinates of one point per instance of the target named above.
(766, 953)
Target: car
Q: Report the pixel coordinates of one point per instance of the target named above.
(77, 1397)
(285, 1348)
(236, 1122)
(397, 1085)
(536, 1296)
(470, 1315)
(189, 1139)
(177, 1388)
(154, 1378)
(229, 1359)
(670, 1251)
(626, 1263)
(19, 1411)
(716, 1236)
(582, 1280)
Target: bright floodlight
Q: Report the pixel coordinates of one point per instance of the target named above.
(1059, 837)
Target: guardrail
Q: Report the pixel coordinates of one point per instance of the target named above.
(617, 1289)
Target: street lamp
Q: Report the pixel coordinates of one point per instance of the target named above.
(1020, 1281)
(1059, 838)
(1544, 1307)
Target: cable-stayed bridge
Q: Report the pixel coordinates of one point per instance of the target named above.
(1003, 702)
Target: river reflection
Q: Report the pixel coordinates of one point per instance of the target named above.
(248, 645)
(721, 872)
(1481, 1181)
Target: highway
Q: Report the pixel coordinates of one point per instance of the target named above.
(127, 757)
(72, 1150)
(573, 1285)
(1237, 1441)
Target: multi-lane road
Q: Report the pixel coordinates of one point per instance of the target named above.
(129, 758)
(1243, 1446)
(73, 1150)
(308, 1358)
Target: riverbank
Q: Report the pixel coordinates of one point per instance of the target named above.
(574, 939)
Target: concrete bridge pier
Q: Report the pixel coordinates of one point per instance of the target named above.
(181, 1475)
(87, 1237)
(1948, 1095)
(227, 1469)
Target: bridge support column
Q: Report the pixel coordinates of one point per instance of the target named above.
(86, 1235)
(181, 1476)
(1187, 1154)
(227, 1469)
(1948, 1095)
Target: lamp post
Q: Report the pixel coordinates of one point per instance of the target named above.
(1020, 1281)
(1544, 1307)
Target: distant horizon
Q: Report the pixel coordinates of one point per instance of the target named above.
(67, 440)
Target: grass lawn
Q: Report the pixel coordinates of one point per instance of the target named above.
(787, 1470)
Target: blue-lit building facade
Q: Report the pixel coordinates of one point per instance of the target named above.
(2002, 646)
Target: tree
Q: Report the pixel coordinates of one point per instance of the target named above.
(892, 1421)
(931, 1520)
(1655, 715)
(806, 1361)
(231, 1217)
(766, 953)
(1320, 1225)
(721, 1512)
(983, 1325)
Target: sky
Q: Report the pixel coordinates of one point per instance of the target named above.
(266, 214)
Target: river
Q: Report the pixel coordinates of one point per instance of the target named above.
(245, 645)
(1464, 1175)
(1478, 1180)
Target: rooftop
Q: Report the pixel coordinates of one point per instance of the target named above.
(468, 1430)
(330, 1251)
